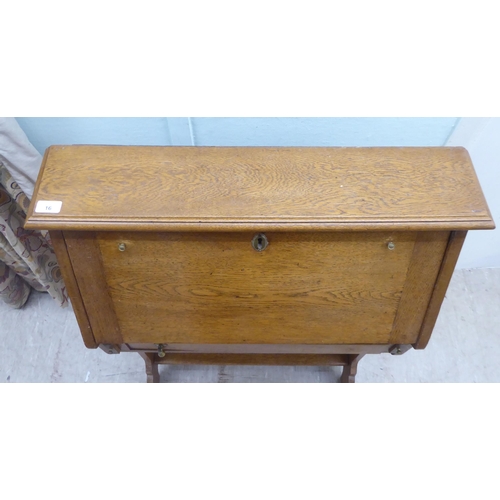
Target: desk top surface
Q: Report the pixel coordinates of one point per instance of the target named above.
(153, 188)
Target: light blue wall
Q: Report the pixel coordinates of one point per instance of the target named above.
(322, 131)
(43, 132)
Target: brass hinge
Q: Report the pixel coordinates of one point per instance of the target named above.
(161, 352)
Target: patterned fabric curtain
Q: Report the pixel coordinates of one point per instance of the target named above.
(27, 259)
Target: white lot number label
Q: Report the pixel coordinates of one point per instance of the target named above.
(48, 207)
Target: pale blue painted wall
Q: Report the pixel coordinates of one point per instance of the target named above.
(43, 132)
(322, 131)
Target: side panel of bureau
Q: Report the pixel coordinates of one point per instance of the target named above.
(64, 260)
(211, 288)
(426, 261)
(86, 262)
(448, 264)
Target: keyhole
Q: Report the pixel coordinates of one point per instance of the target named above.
(259, 242)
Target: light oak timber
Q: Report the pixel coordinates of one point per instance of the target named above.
(87, 265)
(255, 359)
(455, 244)
(421, 275)
(215, 288)
(72, 288)
(263, 348)
(155, 247)
(238, 188)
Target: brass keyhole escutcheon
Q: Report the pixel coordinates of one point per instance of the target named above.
(259, 242)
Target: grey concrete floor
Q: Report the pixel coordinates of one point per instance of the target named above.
(42, 343)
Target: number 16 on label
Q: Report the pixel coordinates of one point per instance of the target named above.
(48, 207)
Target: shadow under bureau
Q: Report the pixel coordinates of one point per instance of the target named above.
(234, 255)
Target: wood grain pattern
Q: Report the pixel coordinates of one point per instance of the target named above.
(74, 294)
(454, 246)
(312, 288)
(87, 264)
(326, 290)
(428, 254)
(232, 189)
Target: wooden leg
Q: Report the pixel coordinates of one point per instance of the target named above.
(151, 367)
(350, 370)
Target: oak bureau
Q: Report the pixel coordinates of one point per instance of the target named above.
(257, 255)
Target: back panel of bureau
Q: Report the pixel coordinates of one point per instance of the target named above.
(214, 288)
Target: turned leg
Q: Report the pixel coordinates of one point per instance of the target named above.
(350, 370)
(151, 366)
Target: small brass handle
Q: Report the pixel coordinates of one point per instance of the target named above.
(161, 352)
(259, 242)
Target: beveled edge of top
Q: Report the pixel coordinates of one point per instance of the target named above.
(51, 222)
